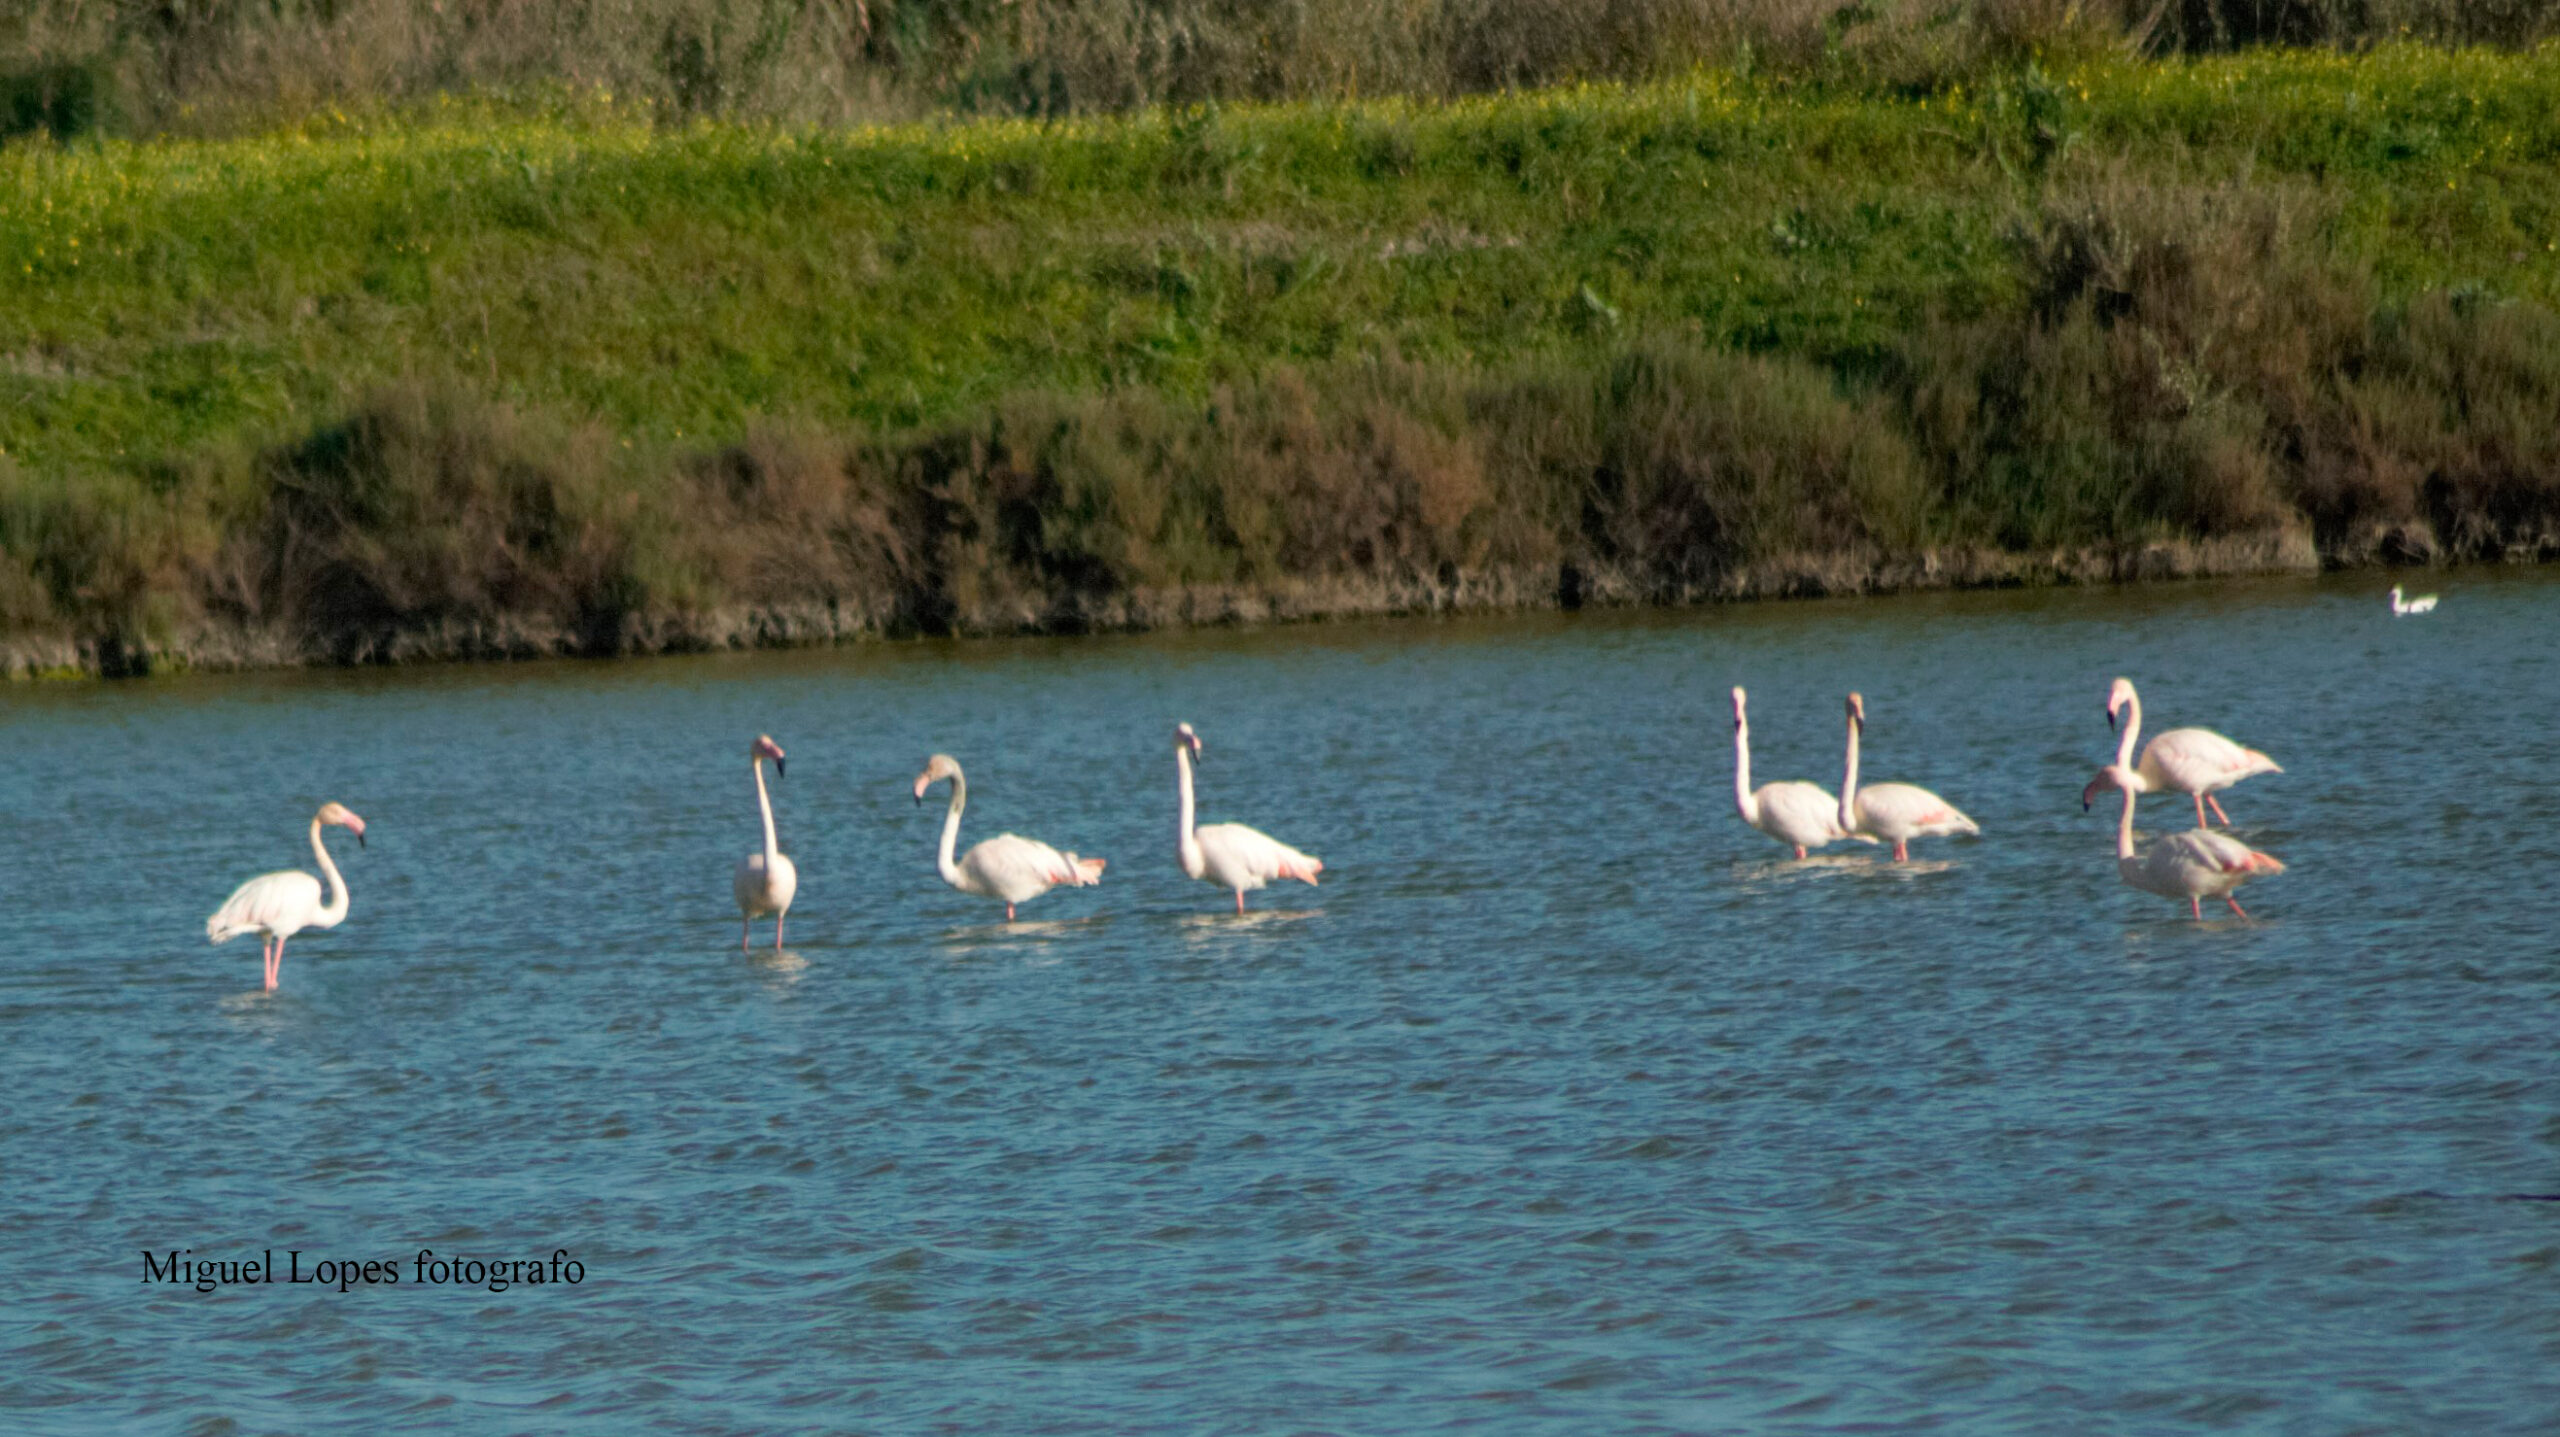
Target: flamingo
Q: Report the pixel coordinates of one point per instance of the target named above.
(1799, 815)
(1896, 812)
(279, 905)
(2423, 604)
(2194, 761)
(1231, 855)
(764, 882)
(1007, 866)
(2194, 865)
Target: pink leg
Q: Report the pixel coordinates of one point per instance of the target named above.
(1008, 913)
(1799, 850)
(2200, 823)
(744, 924)
(1902, 852)
(1239, 902)
(2217, 810)
(777, 933)
(2195, 906)
(2235, 905)
(275, 963)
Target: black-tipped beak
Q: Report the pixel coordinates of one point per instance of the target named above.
(919, 798)
(2111, 720)
(2084, 803)
(777, 768)
(359, 840)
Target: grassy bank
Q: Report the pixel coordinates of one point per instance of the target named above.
(470, 380)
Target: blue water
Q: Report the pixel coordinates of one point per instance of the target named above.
(1566, 1104)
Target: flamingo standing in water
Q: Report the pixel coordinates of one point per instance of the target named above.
(1007, 866)
(2195, 865)
(2423, 604)
(1894, 812)
(1799, 815)
(279, 905)
(1231, 855)
(2194, 761)
(764, 882)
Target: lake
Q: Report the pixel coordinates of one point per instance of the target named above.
(1567, 1103)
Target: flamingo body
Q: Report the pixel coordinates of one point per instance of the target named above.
(1231, 855)
(2195, 865)
(1007, 866)
(276, 906)
(1800, 815)
(2193, 761)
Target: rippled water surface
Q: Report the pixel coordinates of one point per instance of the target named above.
(1566, 1104)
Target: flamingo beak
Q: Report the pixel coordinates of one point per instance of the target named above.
(923, 782)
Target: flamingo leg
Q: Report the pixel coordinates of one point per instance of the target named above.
(1008, 913)
(2195, 906)
(275, 963)
(1902, 851)
(1799, 851)
(777, 933)
(2217, 811)
(2235, 906)
(1239, 902)
(2200, 823)
(745, 925)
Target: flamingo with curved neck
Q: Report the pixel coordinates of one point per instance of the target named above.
(1230, 854)
(1894, 812)
(1007, 866)
(2195, 761)
(279, 905)
(1799, 815)
(2195, 865)
(764, 882)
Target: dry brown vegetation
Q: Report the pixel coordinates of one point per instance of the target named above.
(202, 66)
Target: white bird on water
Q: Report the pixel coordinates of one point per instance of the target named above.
(1894, 812)
(764, 882)
(2195, 865)
(2423, 604)
(1007, 866)
(279, 905)
(1231, 855)
(1799, 815)
(2194, 761)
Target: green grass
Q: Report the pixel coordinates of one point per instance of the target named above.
(174, 315)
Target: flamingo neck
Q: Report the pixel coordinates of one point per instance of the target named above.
(333, 912)
(2132, 729)
(1743, 799)
(949, 865)
(1184, 835)
(1849, 781)
(764, 806)
(2124, 829)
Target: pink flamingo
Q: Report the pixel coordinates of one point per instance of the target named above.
(1230, 854)
(764, 882)
(2194, 761)
(1007, 866)
(279, 905)
(2195, 865)
(1895, 812)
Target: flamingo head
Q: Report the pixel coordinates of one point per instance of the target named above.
(1738, 700)
(2119, 694)
(936, 769)
(765, 747)
(341, 816)
(1858, 709)
(2114, 775)
(1183, 737)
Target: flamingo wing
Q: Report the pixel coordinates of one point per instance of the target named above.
(1902, 810)
(1802, 814)
(2198, 760)
(1015, 868)
(1244, 858)
(275, 903)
